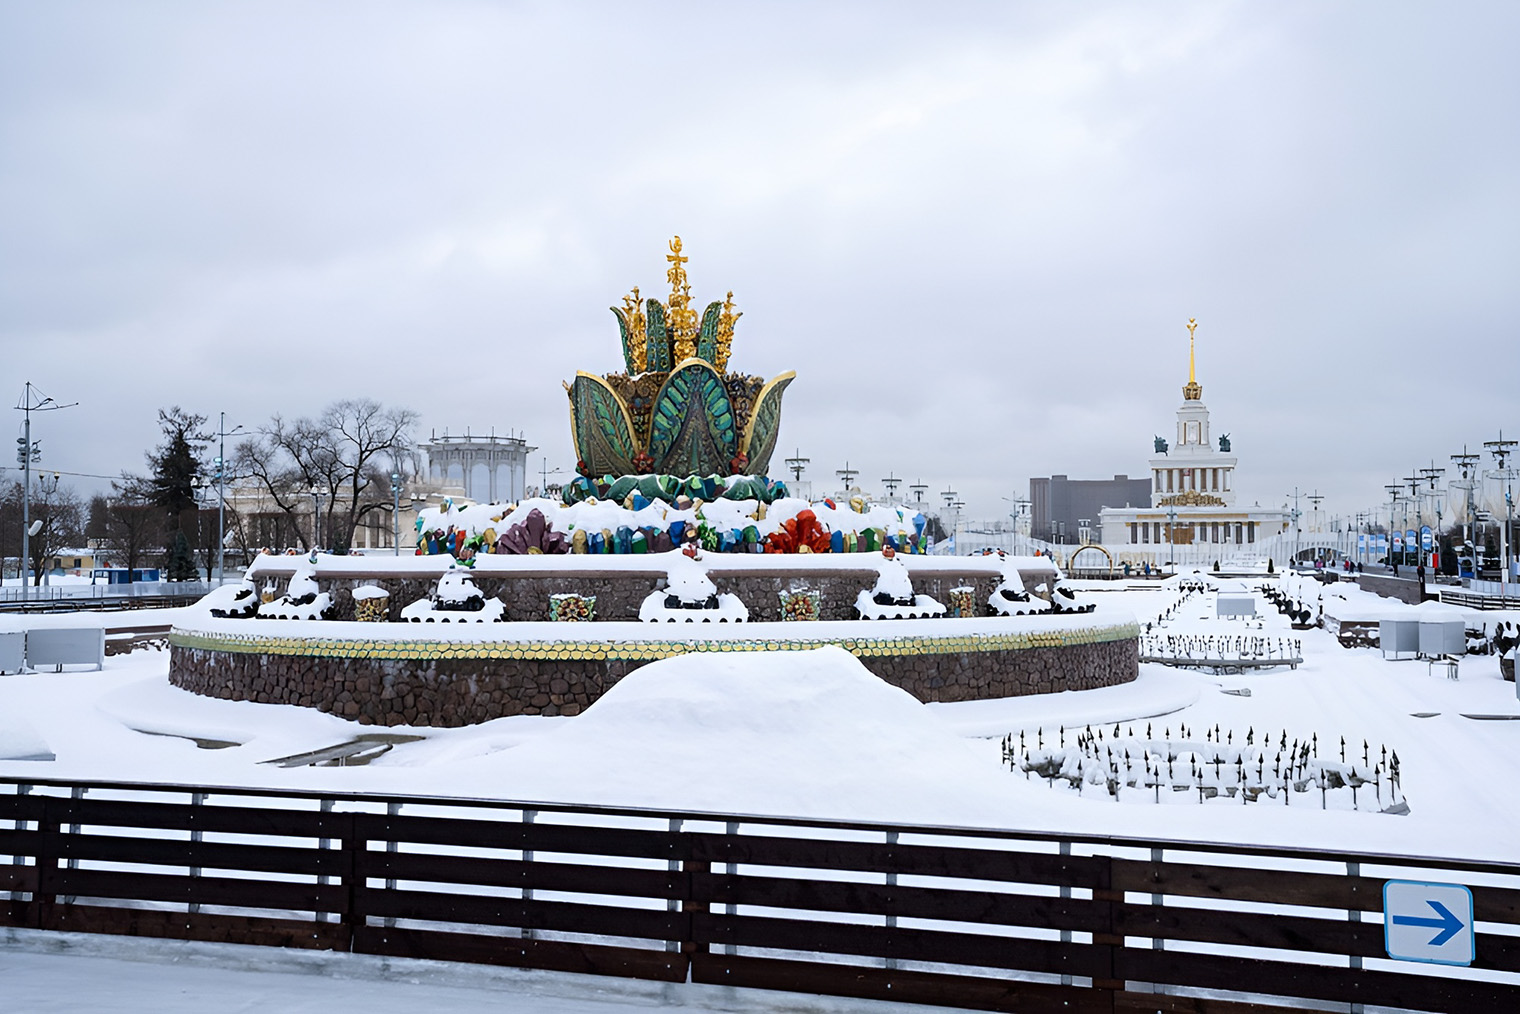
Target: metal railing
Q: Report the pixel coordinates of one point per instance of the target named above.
(980, 919)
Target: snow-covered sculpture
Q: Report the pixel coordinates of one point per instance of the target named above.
(689, 596)
(1064, 600)
(1010, 599)
(892, 597)
(233, 601)
(303, 599)
(455, 600)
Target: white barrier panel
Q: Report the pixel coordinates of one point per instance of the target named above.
(61, 646)
(12, 651)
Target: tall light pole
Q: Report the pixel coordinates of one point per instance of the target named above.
(316, 518)
(1295, 515)
(32, 400)
(396, 513)
(222, 433)
(1467, 464)
(1171, 536)
(1501, 449)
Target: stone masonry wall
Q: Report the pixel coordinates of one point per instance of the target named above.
(459, 692)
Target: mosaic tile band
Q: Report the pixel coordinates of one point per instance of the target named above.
(650, 650)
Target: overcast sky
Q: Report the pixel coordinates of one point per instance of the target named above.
(975, 231)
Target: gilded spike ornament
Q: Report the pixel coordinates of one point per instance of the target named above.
(1192, 390)
(726, 332)
(638, 351)
(676, 411)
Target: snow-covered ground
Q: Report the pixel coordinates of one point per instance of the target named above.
(71, 973)
(811, 734)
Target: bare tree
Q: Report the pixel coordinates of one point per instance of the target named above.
(58, 516)
(346, 455)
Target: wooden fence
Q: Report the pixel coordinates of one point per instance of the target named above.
(959, 917)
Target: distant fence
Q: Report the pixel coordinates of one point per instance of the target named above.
(67, 597)
(971, 918)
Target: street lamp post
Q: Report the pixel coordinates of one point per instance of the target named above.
(1171, 536)
(1501, 449)
(28, 452)
(316, 519)
(396, 513)
(1468, 464)
(221, 499)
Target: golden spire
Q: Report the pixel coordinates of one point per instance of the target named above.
(683, 319)
(1192, 390)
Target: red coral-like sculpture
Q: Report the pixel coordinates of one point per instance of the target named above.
(532, 535)
(801, 534)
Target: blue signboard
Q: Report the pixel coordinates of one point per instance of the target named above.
(1398, 542)
(1428, 922)
(1411, 540)
(1425, 539)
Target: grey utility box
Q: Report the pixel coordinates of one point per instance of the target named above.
(12, 651)
(1232, 606)
(1443, 637)
(1398, 637)
(61, 646)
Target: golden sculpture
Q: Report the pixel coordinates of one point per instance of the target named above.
(683, 319)
(726, 332)
(638, 348)
(1191, 498)
(1192, 390)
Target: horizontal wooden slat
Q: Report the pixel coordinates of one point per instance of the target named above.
(204, 890)
(988, 907)
(991, 994)
(1161, 1003)
(1250, 929)
(1283, 887)
(18, 878)
(971, 949)
(554, 955)
(568, 917)
(1497, 904)
(206, 817)
(920, 860)
(1413, 991)
(18, 843)
(211, 855)
(502, 834)
(232, 929)
(572, 877)
(14, 806)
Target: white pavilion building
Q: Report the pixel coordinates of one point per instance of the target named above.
(1192, 490)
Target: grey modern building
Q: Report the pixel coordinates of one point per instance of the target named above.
(1059, 505)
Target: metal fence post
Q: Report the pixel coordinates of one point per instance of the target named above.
(391, 810)
(891, 917)
(20, 825)
(1354, 915)
(1066, 933)
(527, 892)
(196, 800)
(729, 908)
(673, 865)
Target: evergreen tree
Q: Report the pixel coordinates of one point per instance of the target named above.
(179, 561)
(174, 467)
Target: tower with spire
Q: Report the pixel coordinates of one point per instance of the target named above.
(1194, 463)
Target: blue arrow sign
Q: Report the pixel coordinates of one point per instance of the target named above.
(1412, 909)
(1448, 924)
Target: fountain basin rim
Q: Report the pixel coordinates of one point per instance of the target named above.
(632, 640)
